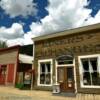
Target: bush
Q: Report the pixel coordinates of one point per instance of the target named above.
(20, 86)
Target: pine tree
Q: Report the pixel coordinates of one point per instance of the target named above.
(3, 44)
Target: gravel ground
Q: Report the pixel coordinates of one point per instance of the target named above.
(11, 93)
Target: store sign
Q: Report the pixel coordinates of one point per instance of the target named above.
(76, 44)
(69, 40)
(27, 78)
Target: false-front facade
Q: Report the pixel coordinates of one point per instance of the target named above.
(70, 58)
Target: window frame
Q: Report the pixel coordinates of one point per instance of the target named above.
(81, 68)
(39, 70)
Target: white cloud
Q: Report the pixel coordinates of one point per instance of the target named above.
(17, 41)
(25, 40)
(15, 35)
(64, 14)
(15, 31)
(28, 38)
(93, 20)
(19, 7)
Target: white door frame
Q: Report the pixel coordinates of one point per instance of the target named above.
(67, 65)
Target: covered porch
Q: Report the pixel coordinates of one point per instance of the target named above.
(25, 72)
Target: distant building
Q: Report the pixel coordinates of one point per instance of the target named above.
(70, 58)
(8, 65)
(15, 65)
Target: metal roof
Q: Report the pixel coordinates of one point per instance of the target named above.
(25, 59)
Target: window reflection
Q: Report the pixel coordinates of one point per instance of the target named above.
(90, 73)
(45, 73)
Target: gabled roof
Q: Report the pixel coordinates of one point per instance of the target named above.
(68, 32)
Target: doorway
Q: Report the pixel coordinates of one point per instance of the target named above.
(66, 78)
(65, 72)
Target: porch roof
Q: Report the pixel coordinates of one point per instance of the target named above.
(25, 59)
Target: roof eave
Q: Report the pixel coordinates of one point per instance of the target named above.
(68, 32)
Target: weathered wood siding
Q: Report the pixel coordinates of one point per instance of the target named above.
(8, 57)
(83, 43)
(80, 43)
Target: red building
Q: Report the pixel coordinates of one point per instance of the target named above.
(8, 65)
(14, 65)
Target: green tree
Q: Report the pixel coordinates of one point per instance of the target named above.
(3, 44)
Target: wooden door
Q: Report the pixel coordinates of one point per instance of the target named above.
(66, 79)
(10, 75)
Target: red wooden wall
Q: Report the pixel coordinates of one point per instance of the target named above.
(7, 75)
(10, 76)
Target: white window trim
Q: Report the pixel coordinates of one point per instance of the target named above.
(44, 60)
(80, 69)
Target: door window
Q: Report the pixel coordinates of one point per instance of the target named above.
(70, 74)
(60, 75)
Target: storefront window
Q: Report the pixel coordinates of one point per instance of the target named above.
(90, 71)
(45, 72)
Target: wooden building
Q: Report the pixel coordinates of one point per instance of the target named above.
(15, 65)
(8, 65)
(70, 58)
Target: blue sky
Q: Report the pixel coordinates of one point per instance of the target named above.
(20, 20)
(6, 20)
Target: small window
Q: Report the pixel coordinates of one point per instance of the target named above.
(65, 62)
(3, 69)
(65, 59)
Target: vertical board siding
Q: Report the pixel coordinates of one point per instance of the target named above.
(10, 76)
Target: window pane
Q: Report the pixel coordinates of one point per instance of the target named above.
(70, 74)
(95, 78)
(93, 62)
(48, 67)
(42, 66)
(86, 78)
(60, 74)
(42, 79)
(60, 62)
(48, 77)
(85, 64)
